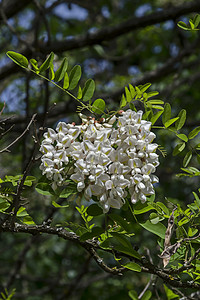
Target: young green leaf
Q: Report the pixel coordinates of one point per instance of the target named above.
(181, 121)
(194, 132)
(98, 106)
(80, 93)
(47, 63)
(182, 25)
(74, 77)
(167, 113)
(144, 87)
(147, 295)
(18, 58)
(66, 81)
(60, 73)
(128, 95)
(170, 122)
(133, 295)
(55, 204)
(133, 266)
(88, 90)
(44, 189)
(196, 20)
(34, 63)
(187, 159)
(158, 229)
(178, 149)
(132, 91)
(156, 117)
(51, 72)
(155, 101)
(123, 101)
(182, 137)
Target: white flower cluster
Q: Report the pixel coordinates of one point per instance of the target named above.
(106, 161)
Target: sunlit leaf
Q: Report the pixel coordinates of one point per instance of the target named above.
(18, 58)
(194, 132)
(47, 63)
(158, 229)
(133, 267)
(167, 113)
(181, 121)
(66, 81)
(74, 77)
(88, 90)
(98, 106)
(60, 73)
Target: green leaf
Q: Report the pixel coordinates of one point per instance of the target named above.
(68, 191)
(22, 212)
(74, 77)
(123, 101)
(60, 73)
(156, 101)
(27, 220)
(152, 94)
(156, 117)
(141, 208)
(169, 293)
(119, 220)
(191, 24)
(147, 295)
(196, 20)
(94, 210)
(182, 137)
(170, 122)
(96, 231)
(47, 63)
(133, 267)
(187, 159)
(80, 94)
(182, 25)
(98, 106)
(58, 205)
(88, 90)
(3, 204)
(128, 95)
(133, 295)
(167, 113)
(144, 87)
(66, 81)
(132, 91)
(178, 149)
(157, 107)
(122, 239)
(34, 63)
(127, 251)
(182, 118)
(194, 132)
(163, 207)
(51, 72)
(158, 229)
(196, 198)
(18, 58)
(44, 188)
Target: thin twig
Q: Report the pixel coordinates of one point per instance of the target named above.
(19, 137)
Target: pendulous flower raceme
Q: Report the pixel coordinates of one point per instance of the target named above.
(109, 160)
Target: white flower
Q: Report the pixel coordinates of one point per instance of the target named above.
(105, 161)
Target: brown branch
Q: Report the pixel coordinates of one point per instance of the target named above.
(107, 34)
(12, 7)
(91, 246)
(19, 137)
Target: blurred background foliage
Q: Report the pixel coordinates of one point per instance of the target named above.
(116, 42)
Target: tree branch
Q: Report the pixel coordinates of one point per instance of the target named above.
(91, 246)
